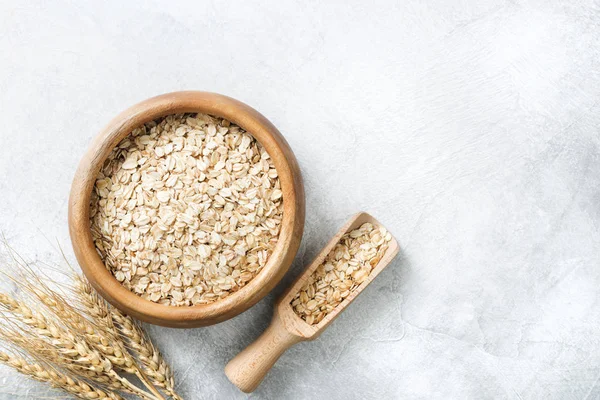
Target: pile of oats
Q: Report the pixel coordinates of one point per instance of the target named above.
(344, 269)
(186, 210)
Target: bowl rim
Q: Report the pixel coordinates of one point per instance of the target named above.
(291, 228)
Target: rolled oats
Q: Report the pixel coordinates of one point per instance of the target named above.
(186, 209)
(346, 266)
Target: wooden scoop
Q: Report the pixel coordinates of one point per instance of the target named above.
(247, 369)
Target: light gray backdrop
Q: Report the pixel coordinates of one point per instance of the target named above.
(471, 129)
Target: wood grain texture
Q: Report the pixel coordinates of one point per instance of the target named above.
(248, 369)
(291, 230)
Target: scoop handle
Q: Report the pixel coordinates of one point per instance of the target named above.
(248, 369)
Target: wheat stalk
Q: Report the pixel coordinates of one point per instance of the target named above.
(47, 374)
(155, 367)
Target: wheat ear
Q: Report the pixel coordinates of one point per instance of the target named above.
(77, 359)
(98, 310)
(155, 367)
(49, 341)
(47, 374)
(101, 337)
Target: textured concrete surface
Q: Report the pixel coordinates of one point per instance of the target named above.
(470, 128)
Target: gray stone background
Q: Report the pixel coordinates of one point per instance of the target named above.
(471, 129)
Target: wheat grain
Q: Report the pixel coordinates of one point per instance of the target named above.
(99, 310)
(56, 344)
(101, 336)
(73, 341)
(155, 367)
(46, 373)
(105, 334)
(53, 342)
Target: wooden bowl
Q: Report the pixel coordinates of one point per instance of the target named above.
(291, 229)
